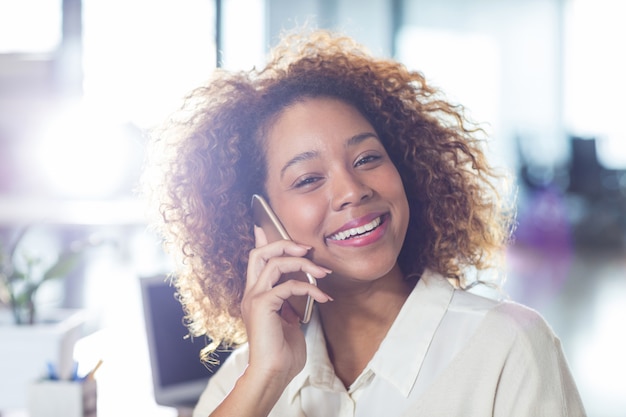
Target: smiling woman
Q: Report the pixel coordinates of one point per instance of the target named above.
(338, 164)
(385, 189)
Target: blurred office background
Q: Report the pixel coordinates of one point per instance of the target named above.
(82, 81)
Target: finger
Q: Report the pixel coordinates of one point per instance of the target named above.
(289, 314)
(273, 300)
(259, 237)
(279, 266)
(260, 256)
(291, 288)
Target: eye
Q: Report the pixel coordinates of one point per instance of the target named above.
(367, 159)
(305, 181)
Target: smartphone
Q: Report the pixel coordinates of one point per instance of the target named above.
(266, 219)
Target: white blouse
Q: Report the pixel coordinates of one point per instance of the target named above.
(448, 353)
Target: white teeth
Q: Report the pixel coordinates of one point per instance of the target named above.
(357, 230)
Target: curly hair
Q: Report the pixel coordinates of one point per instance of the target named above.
(208, 160)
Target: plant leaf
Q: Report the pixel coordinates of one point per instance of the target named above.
(16, 276)
(25, 295)
(66, 262)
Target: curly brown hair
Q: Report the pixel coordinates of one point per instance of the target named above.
(208, 160)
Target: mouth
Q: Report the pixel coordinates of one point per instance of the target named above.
(358, 231)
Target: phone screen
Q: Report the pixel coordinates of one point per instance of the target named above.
(266, 219)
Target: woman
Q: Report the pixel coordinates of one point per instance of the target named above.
(385, 189)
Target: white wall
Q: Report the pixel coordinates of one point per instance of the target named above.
(508, 57)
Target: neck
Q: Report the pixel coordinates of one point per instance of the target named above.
(358, 319)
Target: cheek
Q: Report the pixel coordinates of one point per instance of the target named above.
(390, 184)
(302, 218)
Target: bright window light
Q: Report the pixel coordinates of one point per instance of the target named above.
(30, 26)
(241, 51)
(142, 56)
(81, 155)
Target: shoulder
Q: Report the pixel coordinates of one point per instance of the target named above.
(222, 382)
(505, 321)
(515, 337)
(521, 324)
(520, 316)
(236, 361)
(230, 370)
(534, 368)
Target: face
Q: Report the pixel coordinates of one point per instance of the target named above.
(334, 187)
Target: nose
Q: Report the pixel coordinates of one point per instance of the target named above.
(348, 190)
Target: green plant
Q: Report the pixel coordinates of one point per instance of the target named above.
(22, 275)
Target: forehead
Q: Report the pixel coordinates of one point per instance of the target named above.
(311, 123)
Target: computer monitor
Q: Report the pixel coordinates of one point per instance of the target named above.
(178, 375)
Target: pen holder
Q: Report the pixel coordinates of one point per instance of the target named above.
(48, 398)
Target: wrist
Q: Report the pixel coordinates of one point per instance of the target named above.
(266, 380)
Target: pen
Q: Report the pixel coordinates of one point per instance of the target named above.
(75, 376)
(52, 372)
(90, 375)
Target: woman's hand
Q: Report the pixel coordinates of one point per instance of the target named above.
(276, 342)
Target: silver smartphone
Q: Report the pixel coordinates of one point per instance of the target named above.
(266, 219)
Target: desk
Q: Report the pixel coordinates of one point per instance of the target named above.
(125, 378)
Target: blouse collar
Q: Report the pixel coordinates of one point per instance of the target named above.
(401, 353)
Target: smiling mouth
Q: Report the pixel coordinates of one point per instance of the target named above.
(357, 231)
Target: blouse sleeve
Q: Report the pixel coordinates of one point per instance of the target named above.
(535, 379)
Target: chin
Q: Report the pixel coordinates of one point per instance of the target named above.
(367, 274)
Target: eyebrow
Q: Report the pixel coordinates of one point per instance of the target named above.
(306, 156)
(356, 139)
